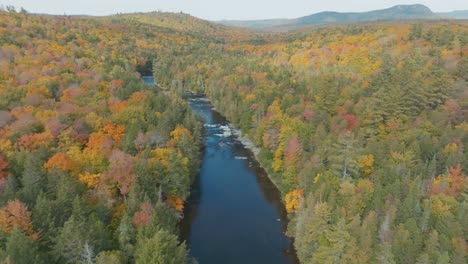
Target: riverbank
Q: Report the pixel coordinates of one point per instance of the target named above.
(235, 213)
(256, 152)
(248, 143)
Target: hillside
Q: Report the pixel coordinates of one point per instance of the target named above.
(459, 14)
(361, 126)
(399, 12)
(188, 25)
(89, 154)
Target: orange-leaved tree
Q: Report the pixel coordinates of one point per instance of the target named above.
(61, 161)
(452, 184)
(175, 202)
(15, 214)
(143, 217)
(292, 200)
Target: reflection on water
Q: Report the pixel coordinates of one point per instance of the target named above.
(148, 79)
(235, 214)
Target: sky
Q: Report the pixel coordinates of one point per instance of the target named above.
(223, 9)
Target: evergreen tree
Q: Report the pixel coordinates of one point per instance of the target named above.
(109, 257)
(126, 236)
(21, 249)
(33, 178)
(42, 217)
(385, 255)
(82, 235)
(334, 247)
(162, 218)
(312, 225)
(162, 248)
(343, 157)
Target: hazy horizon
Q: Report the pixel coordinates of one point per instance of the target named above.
(219, 10)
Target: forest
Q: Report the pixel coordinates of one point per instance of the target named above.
(94, 164)
(362, 127)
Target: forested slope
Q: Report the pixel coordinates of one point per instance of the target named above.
(94, 164)
(362, 127)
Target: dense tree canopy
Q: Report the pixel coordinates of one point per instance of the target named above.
(77, 129)
(363, 127)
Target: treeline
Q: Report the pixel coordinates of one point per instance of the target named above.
(362, 127)
(94, 164)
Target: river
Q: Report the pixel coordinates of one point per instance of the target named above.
(235, 213)
(148, 79)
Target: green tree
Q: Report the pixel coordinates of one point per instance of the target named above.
(328, 94)
(82, 235)
(162, 218)
(42, 217)
(385, 255)
(21, 249)
(162, 248)
(126, 236)
(342, 157)
(312, 225)
(336, 247)
(109, 257)
(33, 178)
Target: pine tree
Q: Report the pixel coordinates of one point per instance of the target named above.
(70, 242)
(161, 248)
(332, 249)
(110, 257)
(126, 235)
(82, 234)
(33, 178)
(42, 217)
(441, 87)
(87, 254)
(312, 225)
(328, 93)
(385, 255)
(21, 249)
(343, 157)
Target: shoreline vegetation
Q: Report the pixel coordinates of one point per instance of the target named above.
(95, 164)
(362, 127)
(233, 179)
(352, 121)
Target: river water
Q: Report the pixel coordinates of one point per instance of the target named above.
(148, 79)
(234, 214)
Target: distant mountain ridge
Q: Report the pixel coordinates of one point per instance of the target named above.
(398, 12)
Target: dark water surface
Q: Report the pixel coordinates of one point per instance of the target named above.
(235, 214)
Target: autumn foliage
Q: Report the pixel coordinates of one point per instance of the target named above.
(3, 166)
(122, 171)
(143, 216)
(451, 184)
(90, 179)
(293, 200)
(367, 164)
(34, 141)
(176, 135)
(175, 202)
(80, 133)
(61, 161)
(115, 131)
(362, 127)
(15, 214)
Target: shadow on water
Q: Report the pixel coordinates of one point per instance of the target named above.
(235, 213)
